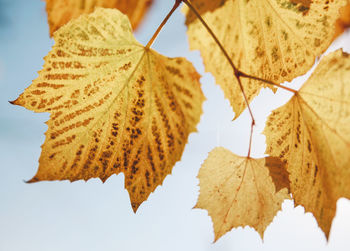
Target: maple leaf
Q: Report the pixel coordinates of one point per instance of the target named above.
(239, 191)
(59, 12)
(276, 40)
(311, 132)
(116, 106)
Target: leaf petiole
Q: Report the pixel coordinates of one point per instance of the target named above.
(237, 73)
(250, 138)
(150, 42)
(244, 75)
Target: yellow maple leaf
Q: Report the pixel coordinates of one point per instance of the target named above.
(116, 106)
(59, 12)
(240, 191)
(311, 132)
(276, 40)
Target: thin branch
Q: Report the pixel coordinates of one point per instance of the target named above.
(250, 138)
(235, 70)
(238, 74)
(150, 42)
(246, 99)
(192, 8)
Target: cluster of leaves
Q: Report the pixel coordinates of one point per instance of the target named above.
(118, 106)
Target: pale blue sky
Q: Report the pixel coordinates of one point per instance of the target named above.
(56, 216)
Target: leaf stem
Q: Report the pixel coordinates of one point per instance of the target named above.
(235, 70)
(150, 42)
(238, 74)
(250, 138)
(244, 75)
(192, 8)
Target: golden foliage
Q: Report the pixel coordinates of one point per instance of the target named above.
(115, 105)
(59, 12)
(118, 106)
(277, 40)
(239, 191)
(312, 134)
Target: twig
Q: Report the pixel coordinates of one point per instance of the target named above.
(244, 75)
(237, 73)
(250, 139)
(150, 42)
(235, 70)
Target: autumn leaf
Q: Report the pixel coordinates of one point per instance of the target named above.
(115, 106)
(312, 134)
(276, 40)
(59, 12)
(343, 21)
(240, 191)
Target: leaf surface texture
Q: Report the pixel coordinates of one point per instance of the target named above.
(277, 40)
(239, 191)
(115, 106)
(312, 134)
(59, 12)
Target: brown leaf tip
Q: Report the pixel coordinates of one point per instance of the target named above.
(14, 102)
(135, 206)
(32, 180)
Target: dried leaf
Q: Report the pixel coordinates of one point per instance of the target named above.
(276, 40)
(239, 191)
(115, 106)
(311, 132)
(59, 12)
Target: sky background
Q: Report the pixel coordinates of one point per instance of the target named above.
(56, 216)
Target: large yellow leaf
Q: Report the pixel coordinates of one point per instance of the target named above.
(312, 133)
(239, 191)
(59, 12)
(115, 105)
(277, 40)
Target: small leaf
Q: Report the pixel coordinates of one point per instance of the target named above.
(59, 12)
(239, 191)
(270, 39)
(312, 134)
(115, 106)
